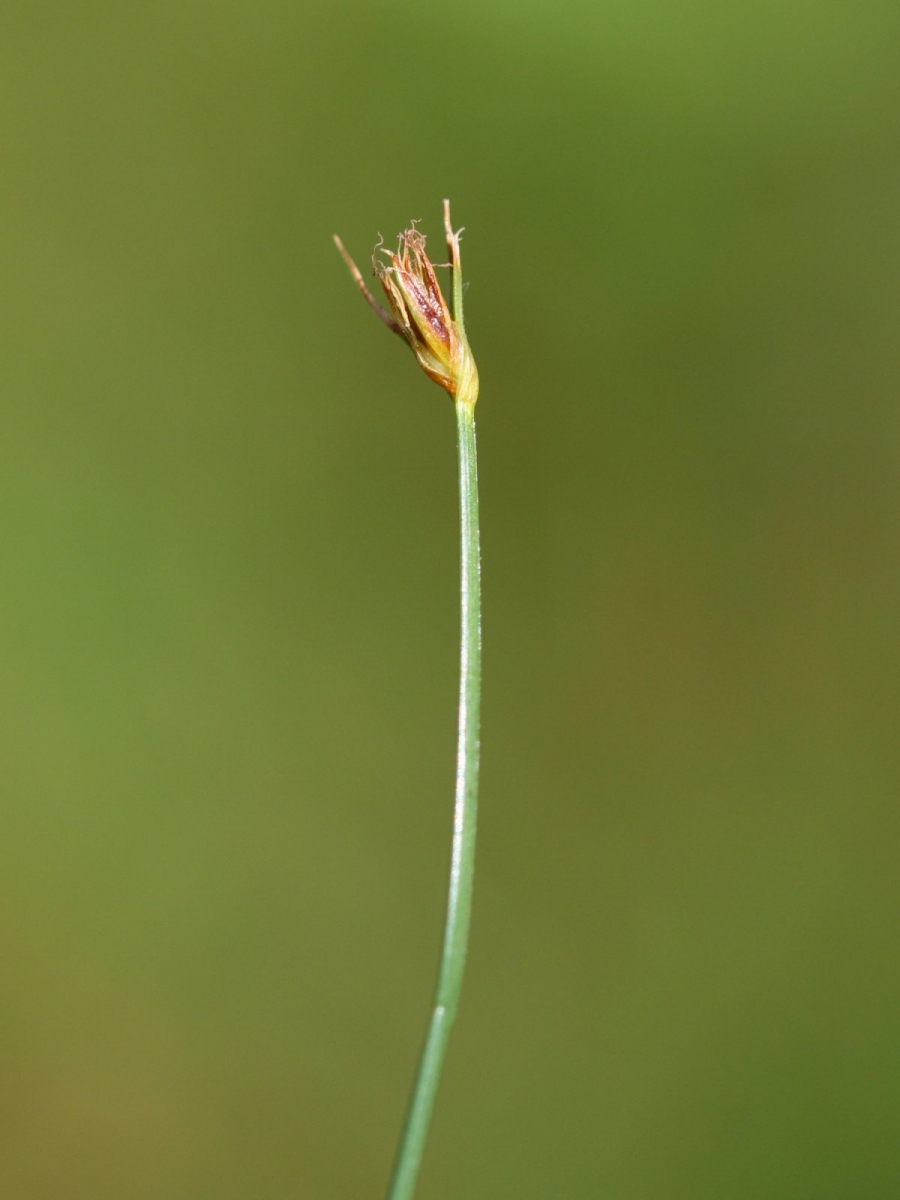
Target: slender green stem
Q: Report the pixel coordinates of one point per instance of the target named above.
(459, 902)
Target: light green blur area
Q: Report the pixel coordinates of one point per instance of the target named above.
(229, 607)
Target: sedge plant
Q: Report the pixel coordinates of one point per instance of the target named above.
(420, 315)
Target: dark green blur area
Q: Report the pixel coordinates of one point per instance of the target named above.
(228, 606)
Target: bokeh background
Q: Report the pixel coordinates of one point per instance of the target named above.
(228, 609)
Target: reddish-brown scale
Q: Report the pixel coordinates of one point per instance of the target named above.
(426, 308)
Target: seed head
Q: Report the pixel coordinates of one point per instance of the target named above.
(421, 315)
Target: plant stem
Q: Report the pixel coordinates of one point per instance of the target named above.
(459, 901)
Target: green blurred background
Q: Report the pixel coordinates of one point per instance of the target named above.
(228, 611)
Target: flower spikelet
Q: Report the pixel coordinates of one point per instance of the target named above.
(420, 314)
